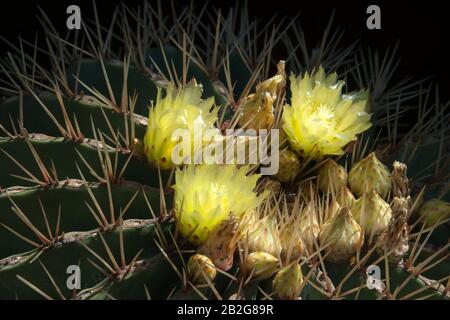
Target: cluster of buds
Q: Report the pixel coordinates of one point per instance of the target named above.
(336, 211)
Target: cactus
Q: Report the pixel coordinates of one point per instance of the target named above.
(372, 213)
(261, 265)
(289, 166)
(369, 175)
(201, 269)
(288, 281)
(343, 235)
(332, 177)
(81, 187)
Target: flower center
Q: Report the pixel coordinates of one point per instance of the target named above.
(324, 115)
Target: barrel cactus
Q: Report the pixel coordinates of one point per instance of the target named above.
(93, 204)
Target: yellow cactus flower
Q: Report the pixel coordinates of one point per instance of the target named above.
(206, 195)
(180, 108)
(321, 120)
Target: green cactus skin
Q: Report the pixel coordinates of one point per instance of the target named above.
(57, 149)
(82, 108)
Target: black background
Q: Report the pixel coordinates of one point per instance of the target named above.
(421, 27)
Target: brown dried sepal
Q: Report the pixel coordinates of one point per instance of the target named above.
(221, 243)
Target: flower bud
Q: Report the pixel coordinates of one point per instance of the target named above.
(332, 177)
(261, 265)
(288, 281)
(435, 211)
(343, 236)
(309, 227)
(291, 240)
(372, 213)
(261, 234)
(345, 197)
(289, 166)
(368, 175)
(201, 267)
